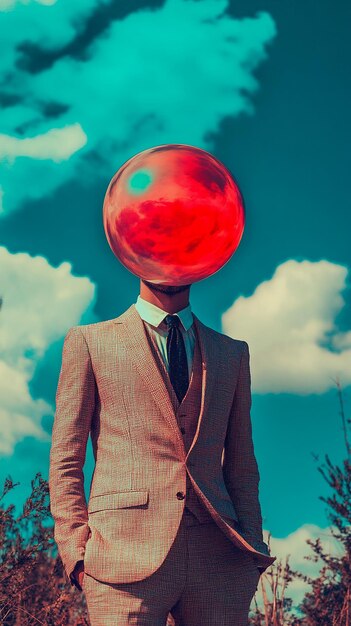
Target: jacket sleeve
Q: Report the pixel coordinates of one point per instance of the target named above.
(75, 403)
(240, 469)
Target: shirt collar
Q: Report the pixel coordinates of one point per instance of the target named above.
(154, 315)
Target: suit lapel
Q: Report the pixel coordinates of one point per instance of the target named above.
(136, 342)
(210, 359)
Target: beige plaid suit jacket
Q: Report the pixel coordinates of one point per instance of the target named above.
(111, 388)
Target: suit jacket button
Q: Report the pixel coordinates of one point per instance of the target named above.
(180, 495)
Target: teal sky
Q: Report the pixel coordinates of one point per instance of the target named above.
(265, 87)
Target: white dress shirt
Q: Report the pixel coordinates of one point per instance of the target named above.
(154, 316)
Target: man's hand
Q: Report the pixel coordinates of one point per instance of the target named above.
(78, 574)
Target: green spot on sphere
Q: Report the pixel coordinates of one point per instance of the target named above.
(139, 181)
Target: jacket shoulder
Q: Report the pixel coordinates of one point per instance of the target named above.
(234, 343)
(231, 343)
(92, 328)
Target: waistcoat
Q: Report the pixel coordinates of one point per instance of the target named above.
(187, 413)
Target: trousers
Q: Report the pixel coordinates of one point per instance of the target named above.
(205, 580)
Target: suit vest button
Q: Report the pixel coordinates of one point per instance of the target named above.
(180, 495)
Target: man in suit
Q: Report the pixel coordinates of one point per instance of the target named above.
(173, 522)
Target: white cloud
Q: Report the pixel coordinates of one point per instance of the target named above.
(20, 414)
(40, 303)
(57, 144)
(48, 28)
(7, 5)
(141, 83)
(289, 324)
(294, 549)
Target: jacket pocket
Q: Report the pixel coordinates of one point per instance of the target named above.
(118, 500)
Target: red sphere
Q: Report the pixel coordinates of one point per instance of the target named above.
(173, 214)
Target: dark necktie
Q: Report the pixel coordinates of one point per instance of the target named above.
(177, 359)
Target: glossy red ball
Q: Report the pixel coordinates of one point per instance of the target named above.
(173, 214)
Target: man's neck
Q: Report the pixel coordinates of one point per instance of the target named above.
(172, 303)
